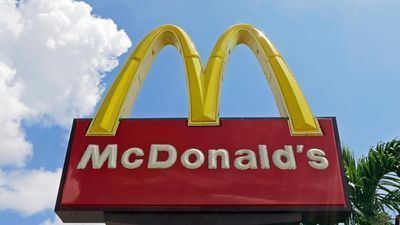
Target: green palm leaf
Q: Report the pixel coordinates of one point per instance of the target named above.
(374, 183)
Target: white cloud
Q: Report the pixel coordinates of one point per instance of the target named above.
(53, 55)
(10, 22)
(60, 56)
(29, 191)
(57, 221)
(14, 148)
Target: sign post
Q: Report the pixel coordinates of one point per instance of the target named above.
(204, 170)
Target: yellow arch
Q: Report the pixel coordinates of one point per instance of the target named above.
(121, 97)
(204, 86)
(288, 95)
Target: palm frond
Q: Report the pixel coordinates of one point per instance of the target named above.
(374, 181)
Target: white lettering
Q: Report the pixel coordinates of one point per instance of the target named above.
(163, 156)
(264, 161)
(93, 152)
(212, 158)
(317, 159)
(248, 161)
(289, 163)
(185, 158)
(153, 158)
(136, 163)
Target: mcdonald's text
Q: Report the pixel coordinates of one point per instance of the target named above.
(193, 158)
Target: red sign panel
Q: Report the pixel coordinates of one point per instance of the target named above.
(163, 163)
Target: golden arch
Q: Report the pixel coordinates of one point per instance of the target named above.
(204, 85)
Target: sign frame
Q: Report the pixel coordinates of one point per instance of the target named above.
(150, 215)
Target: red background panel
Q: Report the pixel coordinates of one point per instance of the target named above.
(180, 187)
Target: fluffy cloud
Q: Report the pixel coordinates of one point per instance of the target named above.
(53, 56)
(60, 54)
(14, 148)
(28, 191)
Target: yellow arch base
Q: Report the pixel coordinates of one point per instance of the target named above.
(204, 85)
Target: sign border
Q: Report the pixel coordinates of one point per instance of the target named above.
(98, 214)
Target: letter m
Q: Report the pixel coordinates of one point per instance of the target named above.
(93, 152)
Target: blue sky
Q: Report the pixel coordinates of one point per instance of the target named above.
(344, 55)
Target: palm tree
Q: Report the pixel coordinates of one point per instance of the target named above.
(374, 184)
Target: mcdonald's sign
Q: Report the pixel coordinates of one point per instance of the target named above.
(230, 169)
